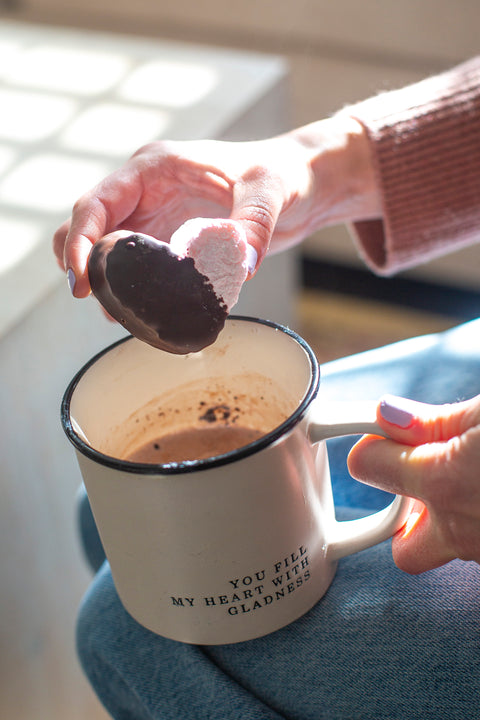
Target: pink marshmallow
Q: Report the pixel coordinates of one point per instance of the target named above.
(219, 251)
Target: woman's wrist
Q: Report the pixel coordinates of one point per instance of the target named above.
(344, 188)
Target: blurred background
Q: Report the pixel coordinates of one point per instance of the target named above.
(84, 83)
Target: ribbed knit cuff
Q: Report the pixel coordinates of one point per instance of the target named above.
(425, 142)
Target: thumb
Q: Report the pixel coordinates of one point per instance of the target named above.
(419, 546)
(415, 423)
(257, 202)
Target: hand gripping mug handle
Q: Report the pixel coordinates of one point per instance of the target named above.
(327, 420)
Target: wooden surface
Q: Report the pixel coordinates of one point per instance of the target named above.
(336, 325)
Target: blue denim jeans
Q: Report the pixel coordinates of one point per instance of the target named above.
(379, 644)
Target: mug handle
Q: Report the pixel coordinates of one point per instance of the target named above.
(327, 420)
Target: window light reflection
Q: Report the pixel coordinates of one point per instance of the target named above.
(72, 70)
(19, 237)
(30, 117)
(114, 129)
(7, 158)
(168, 83)
(451, 347)
(50, 182)
(9, 50)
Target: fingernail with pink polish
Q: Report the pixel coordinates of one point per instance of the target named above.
(71, 279)
(397, 410)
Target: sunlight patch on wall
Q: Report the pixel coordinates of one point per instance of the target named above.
(114, 129)
(19, 237)
(48, 182)
(32, 117)
(8, 157)
(69, 70)
(168, 83)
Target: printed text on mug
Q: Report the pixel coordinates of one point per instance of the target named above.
(258, 589)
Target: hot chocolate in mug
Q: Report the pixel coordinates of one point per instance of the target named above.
(227, 548)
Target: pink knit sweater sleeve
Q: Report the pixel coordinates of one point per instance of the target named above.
(425, 141)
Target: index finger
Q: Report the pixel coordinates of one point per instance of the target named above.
(416, 423)
(95, 214)
(87, 225)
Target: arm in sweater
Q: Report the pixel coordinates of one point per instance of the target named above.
(404, 167)
(425, 145)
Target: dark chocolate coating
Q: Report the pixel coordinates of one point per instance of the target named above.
(158, 297)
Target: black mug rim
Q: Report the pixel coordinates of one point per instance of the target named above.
(191, 465)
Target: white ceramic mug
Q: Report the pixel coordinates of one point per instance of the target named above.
(236, 546)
